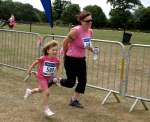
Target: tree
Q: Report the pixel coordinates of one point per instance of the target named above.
(58, 7)
(124, 4)
(119, 19)
(142, 17)
(6, 9)
(99, 18)
(69, 14)
(22, 12)
(120, 13)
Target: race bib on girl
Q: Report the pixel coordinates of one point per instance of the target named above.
(49, 68)
(87, 42)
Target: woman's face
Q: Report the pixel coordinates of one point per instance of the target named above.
(87, 21)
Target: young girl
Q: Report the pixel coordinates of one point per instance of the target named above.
(47, 73)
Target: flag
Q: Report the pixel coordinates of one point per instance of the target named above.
(48, 11)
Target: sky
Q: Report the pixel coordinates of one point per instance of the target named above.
(82, 3)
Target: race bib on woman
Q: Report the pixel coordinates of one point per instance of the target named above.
(87, 42)
(49, 68)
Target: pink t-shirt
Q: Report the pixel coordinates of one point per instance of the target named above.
(78, 45)
(12, 21)
(47, 67)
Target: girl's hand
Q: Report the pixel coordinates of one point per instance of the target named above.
(55, 80)
(29, 72)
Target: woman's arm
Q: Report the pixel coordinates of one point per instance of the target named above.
(57, 69)
(90, 48)
(70, 37)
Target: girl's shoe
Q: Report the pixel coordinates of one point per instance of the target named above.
(48, 112)
(27, 94)
(55, 81)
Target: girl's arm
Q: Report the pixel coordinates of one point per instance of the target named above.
(32, 66)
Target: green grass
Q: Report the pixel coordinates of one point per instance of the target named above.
(113, 35)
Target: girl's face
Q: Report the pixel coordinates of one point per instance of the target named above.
(53, 51)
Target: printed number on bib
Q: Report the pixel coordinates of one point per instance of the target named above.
(87, 42)
(49, 68)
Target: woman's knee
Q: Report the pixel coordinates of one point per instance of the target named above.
(80, 87)
(72, 84)
(67, 83)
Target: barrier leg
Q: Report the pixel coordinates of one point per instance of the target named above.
(109, 93)
(117, 98)
(144, 104)
(132, 107)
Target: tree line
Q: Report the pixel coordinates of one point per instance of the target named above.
(124, 13)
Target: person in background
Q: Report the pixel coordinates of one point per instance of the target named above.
(74, 47)
(11, 21)
(47, 73)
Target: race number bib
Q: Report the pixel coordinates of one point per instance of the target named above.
(49, 68)
(87, 42)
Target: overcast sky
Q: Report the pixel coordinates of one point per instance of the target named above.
(82, 3)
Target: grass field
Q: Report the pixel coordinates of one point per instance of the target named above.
(14, 109)
(113, 35)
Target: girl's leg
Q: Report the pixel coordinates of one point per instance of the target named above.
(47, 111)
(46, 96)
(31, 91)
(36, 90)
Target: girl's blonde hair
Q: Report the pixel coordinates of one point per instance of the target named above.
(49, 45)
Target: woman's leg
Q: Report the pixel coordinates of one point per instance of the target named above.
(70, 81)
(80, 88)
(82, 77)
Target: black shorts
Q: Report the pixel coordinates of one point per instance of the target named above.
(76, 69)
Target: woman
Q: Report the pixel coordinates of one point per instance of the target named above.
(74, 47)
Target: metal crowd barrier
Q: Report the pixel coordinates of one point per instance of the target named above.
(107, 71)
(17, 48)
(138, 74)
(115, 71)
